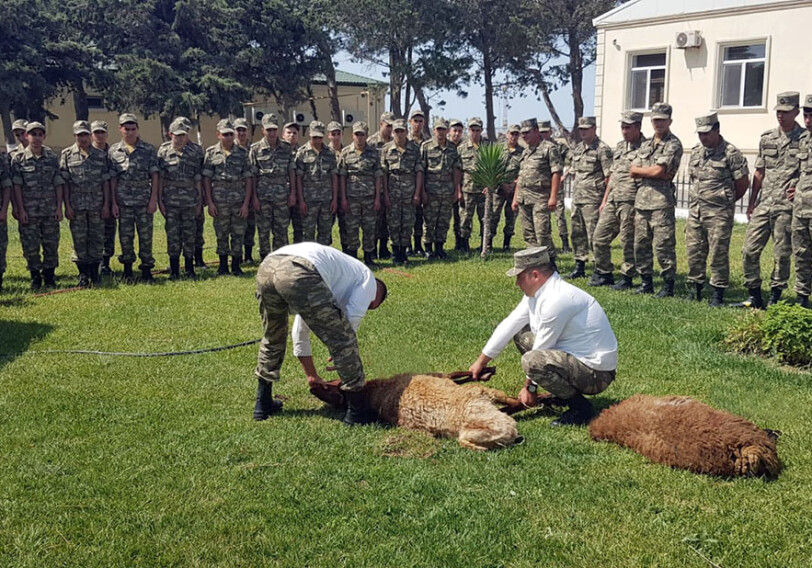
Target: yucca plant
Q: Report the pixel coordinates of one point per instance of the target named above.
(490, 173)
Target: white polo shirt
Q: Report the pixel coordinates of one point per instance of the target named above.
(562, 317)
(351, 282)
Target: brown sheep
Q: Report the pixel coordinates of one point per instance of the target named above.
(681, 432)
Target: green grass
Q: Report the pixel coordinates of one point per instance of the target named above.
(156, 462)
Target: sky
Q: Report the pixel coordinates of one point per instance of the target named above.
(519, 108)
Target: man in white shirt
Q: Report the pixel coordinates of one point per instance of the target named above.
(567, 345)
(330, 292)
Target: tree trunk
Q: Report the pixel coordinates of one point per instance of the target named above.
(80, 101)
(165, 122)
(577, 79)
(545, 95)
(395, 81)
(487, 68)
(425, 107)
(312, 101)
(486, 223)
(5, 116)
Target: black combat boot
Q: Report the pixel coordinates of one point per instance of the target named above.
(625, 283)
(350, 252)
(248, 258)
(463, 245)
(553, 264)
(190, 268)
(580, 412)
(428, 253)
(128, 273)
(1, 281)
(667, 291)
(199, 262)
(439, 250)
(48, 278)
(506, 246)
(383, 251)
(36, 280)
(223, 269)
(84, 280)
(369, 259)
(698, 291)
(775, 295)
(580, 269)
(600, 279)
(235, 265)
(266, 404)
(358, 410)
(417, 250)
(755, 300)
(718, 298)
(397, 252)
(647, 287)
(174, 268)
(146, 275)
(105, 266)
(803, 301)
(93, 273)
(457, 242)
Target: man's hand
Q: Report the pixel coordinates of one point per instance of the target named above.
(416, 199)
(212, 210)
(255, 204)
(292, 201)
(387, 204)
(790, 193)
(333, 207)
(315, 380)
(476, 368)
(552, 203)
(303, 208)
(58, 214)
(152, 206)
(114, 210)
(750, 209)
(105, 212)
(69, 214)
(244, 211)
(23, 218)
(527, 398)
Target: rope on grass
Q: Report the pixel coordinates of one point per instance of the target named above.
(127, 354)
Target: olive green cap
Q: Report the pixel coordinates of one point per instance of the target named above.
(240, 123)
(387, 117)
(529, 124)
(630, 117)
(441, 123)
(528, 258)
(586, 122)
(127, 117)
(661, 110)
(334, 125)
(416, 112)
(81, 127)
(514, 128)
(34, 126)
(270, 121)
(360, 126)
(178, 127)
(787, 101)
(19, 124)
(706, 122)
(399, 124)
(317, 129)
(455, 122)
(545, 126)
(97, 125)
(225, 126)
(474, 121)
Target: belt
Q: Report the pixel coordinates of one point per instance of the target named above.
(180, 184)
(86, 188)
(221, 184)
(135, 184)
(355, 177)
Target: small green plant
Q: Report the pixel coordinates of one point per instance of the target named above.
(746, 335)
(490, 173)
(783, 332)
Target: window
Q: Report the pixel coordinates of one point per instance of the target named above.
(743, 75)
(94, 102)
(647, 81)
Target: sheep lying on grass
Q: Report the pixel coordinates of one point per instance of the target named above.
(682, 432)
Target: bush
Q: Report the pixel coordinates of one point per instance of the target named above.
(783, 332)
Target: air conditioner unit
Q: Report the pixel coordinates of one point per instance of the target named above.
(685, 40)
(349, 116)
(301, 117)
(254, 114)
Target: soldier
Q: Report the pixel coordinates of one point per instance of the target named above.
(770, 211)
(536, 193)
(802, 212)
(378, 141)
(272, 161)
(473, 198)
(85, 170)
(504, 196)
(243, 140)
(362, 196)
(98, 134)
(180, 196)
(442, 188)
(546, 130)
(200, 220)
(591, 162)
(403, 176)
(38, 188)
(417, 134)
(617, 209)
(455, 137)
(134, 195)
(291, 136)
(5, 199)
(317, 186)
(655, 165)
(226, 180)
(335, 133)
(18, 128)
(719, 178)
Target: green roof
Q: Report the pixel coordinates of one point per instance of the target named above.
(345, 78)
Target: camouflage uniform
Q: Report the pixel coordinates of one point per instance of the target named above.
(317, 170)
(134, 171)
(5, 189)
(382, 225)
(228, 172)
(536, 170)
(39, 179)
(474, 199)
(502, 198)
(561, 205)
(86, 175)
(802, 217)
(272, 167)
(251, 220)
(401, 167)
(110, 223)
(181, 176)
(418, 210)
(591, 165)
(438, 164)
(362, 170)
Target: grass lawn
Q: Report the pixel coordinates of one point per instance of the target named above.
(111, 461)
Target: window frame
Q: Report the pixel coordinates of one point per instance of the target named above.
(720, 69)
(630, 56)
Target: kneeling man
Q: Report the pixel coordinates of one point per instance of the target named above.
(568, 347)
(330, 293)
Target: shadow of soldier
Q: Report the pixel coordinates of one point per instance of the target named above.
(17, 336)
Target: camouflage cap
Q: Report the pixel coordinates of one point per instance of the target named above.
(528, 258)
(474, 121)
(185, 121)
(240, 123)
(316, 129)
(178, 127)
(545, 126)
(81, 127)
(630, 117)
(586, 122)
(292, 124)
(529, 124)
(787, 101)
(808, 102)
(270, 121)
(706, 122)
(387, 117)
(19, 124)
(399, 124)
(441, 123)
(225, 126)
(98, 125)
(34, 126)
(661, 110)
(127, 117)
(334, 125)
(514, 128)
(417, 112)
(454, 122)
(360, 126)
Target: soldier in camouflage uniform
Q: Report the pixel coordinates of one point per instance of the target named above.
(442, 189)
(275, 177)
(362, 195)
(591, 163)
(536, 191)
(802, 212)
(335, 134)
(200, 220)
(98, 133)
(719, 178)
(617, 209)
(473, 198)
(455, 136)
(770, 209)
(5, 199)
(134, 193)
(243, 139)
(378, 141)
(227, 182)
(180, 196)
(317, 186)
(86, 172)
(18, 128)
(291, 136)
(655, 165)
(546, 130)
(417, 134)
(504, 196)
(38, 188)
(403, 176)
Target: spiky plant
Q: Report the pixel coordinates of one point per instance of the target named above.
(490, 173)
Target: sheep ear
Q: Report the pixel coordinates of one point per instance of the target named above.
(772, 434)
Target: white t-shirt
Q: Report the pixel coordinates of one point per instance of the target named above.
(562, 317)
(351, 282)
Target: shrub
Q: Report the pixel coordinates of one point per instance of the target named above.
(783, 332)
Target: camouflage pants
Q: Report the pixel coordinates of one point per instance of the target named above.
(110, 236)
(382, 227)
(474, 205)
(561, 219)
(288, 284)
(558, 372)
(272, 217)
(657, 227)
(500, 201)
(200, 227)
(296, 222)
(708, 230)
(456, 215)
(319, 218)
(400, 219)
(766, 223)
(87, 230)
(437, 217)
(250, 228)
(3, 246)
(180, 226)
(584, 220)
(131, 219)
(342, 229)
(616, 218)
(361, 216)
(229, 228)
(40, 232)
(801, 249)
(418, 223)
(536, 227)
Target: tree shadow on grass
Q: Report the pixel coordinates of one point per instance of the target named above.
(17, 336)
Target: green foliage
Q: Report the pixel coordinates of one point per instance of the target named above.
(491, 167)
(783, 332)
(746, 335)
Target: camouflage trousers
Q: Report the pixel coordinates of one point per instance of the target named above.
(361, 216)
(318, 218)
(272, 217)
(400, 219)
(657, 227)
(418, 223)
(250, 228)
(87, 230)
(456, 215)
(229, 228)
(200, 227)
(536, 227)
(765, 223)
(3, 246)
(500, 201)
(708, 231)
(616, 218)
(558, 372)
(474, 204)
(801, 250)
(110, 236)
(382, 227)
(296, 223)
(130, 220)
(181, 227)
(290, 284)
(584, 220)
(437, 217)
(40, 232)
(561, 219)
